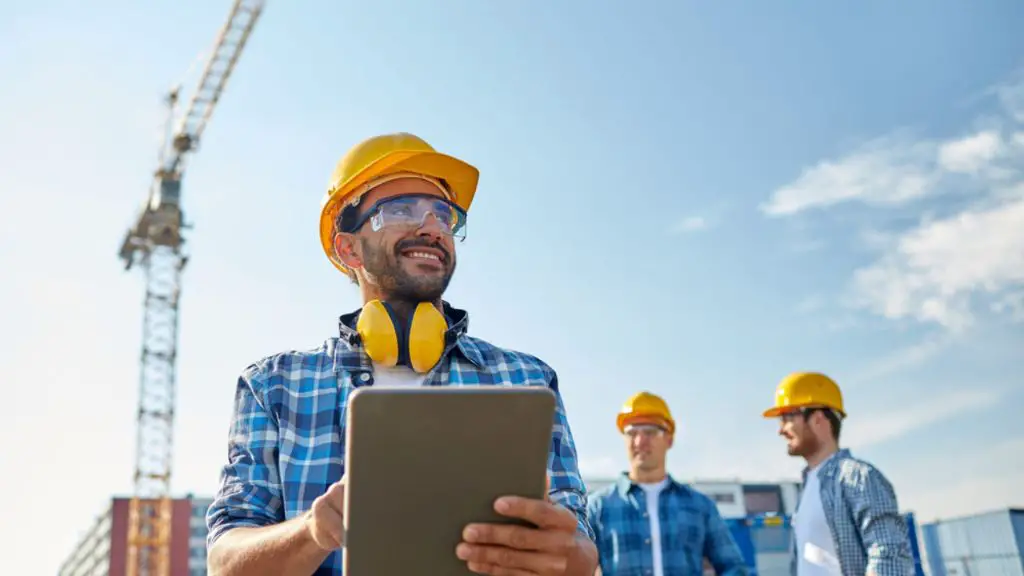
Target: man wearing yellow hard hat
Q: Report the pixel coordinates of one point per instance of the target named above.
(647, 522)
(390, 220)
(847, 520)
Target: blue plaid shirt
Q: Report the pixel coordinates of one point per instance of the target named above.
(869, 533)
(691, 530)
(286, 443)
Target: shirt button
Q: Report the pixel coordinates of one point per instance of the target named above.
(647, 541)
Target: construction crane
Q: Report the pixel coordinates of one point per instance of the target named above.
(155, 242)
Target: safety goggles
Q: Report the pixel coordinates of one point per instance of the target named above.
(411, 211)
(644, 430)
(806, 412)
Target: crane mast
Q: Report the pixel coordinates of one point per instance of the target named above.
(155, 243)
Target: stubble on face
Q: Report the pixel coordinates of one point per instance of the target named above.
(800, 439)
(399, 279)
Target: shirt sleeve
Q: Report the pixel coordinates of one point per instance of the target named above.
(594, 515)
(719, 547)
(567, 486)
(594, 509)
(881, 526)
(250, 490)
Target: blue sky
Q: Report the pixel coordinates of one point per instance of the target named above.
(690, 198)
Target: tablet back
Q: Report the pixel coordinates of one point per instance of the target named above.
(421, 463)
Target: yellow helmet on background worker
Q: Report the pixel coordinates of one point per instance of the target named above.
(645, 407)
(806, 389)
(387, 155)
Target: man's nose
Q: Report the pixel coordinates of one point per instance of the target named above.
(431, 226)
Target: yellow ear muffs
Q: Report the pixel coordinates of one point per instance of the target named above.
(426, 337)
(376, 327)
(388, 340)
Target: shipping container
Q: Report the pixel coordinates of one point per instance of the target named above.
(987, 544)
(764, 541)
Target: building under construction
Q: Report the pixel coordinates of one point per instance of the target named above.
(103, 548)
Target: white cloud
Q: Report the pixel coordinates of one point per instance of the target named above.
(1012, 305)
(935, 269)
(690, 224)
(941, 269)
(970, 154)
(889, 170)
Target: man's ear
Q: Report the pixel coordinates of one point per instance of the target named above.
(347, 247)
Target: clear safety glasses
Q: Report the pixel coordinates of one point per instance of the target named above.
(644, 430)
(411, 211)
(805, 412)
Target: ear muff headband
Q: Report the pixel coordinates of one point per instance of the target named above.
(390, 341)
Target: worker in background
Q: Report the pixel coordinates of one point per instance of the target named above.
(649, 524)
(847, 520)
(390, 221)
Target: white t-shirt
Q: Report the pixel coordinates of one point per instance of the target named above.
(396, 377)
(816, 552)
(652, 492)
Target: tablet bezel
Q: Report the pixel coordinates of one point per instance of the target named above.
(402, 515)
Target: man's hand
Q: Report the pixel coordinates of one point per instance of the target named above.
(325, 519)
(549, 549)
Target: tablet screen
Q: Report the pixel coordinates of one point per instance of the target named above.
(421, 463)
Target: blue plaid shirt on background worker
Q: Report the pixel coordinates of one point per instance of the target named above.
(691, 529)
(287, 445)
(870, 534)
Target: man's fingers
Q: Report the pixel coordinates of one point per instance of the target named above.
(481, 568)
(325, 524)
(328, 518)
(540, 512)
(335, 496)
(334, 531)
(519, 537)
(499, 560)
(337, 489)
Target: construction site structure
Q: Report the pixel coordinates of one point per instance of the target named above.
(155, 243)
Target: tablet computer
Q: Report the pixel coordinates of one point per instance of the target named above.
(422, 463)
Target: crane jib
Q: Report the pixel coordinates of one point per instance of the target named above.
(155, 241)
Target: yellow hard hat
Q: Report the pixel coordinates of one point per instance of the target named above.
(803, 389)
(645, 405)
(384, 155)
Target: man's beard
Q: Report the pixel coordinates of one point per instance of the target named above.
(396, 284)
(805, 446)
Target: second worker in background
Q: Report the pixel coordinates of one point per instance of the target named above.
(647, 523)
